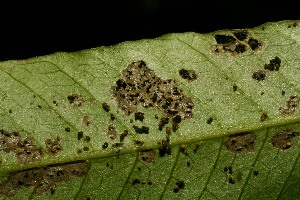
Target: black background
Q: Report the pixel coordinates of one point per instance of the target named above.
(48, 27)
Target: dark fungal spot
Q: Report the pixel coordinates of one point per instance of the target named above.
(240, 48)
(79, 135)
(118, 144)
(196, 147)
(291, 105)
(164, 148)
(234, 87)
(230, 170)
(259, 75)
(282, 92)
(241, 34)
(162, 122)
(241, 142)
(112, 117)
(224, 39)
(140, 85)
(188, 74)
(39, 106)
(231, 180)
(283, 139)
(209, 120)
(67, 129)
(138, 142)
(188, 163)
(105, 107)
(76, 99)
(254, 44)
(86, 148)
(10, 111)
(139, 116)
(274, 64)
(255, 172)
(87, 138)
(178, 185)
(135, 181)
(24, 149)
(52, 191)
(147, 155)
(79, 150)
(43, 179)
(141, 130)
(123, 135)
(104, 145)
(176, 119)
(55, 103)
(53, 146)
(225, 169)
(182, 149)
(264, 116)
(175, 122)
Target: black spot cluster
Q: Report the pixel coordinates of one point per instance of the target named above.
(188, 74)
(236, 42)
(273, 65)
(140, 85)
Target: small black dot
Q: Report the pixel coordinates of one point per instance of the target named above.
(255, 172)
(105, 145)
(85, 148)
(209, 120)
(80, 135)
(259, 75)
(67, 129)
(87, 138)
(112, 117)
(231, 180)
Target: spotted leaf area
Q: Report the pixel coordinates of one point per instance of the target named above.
(182, 116)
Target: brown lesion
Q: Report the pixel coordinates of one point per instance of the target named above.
(53, 146)
(44, 178)
(139, 85)
(240, 142)
(283, 139)
(24, 149)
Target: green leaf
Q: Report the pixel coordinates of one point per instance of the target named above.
(86, 125)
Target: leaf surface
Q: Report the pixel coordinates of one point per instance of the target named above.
(231, 99)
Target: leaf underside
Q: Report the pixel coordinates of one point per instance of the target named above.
(185, 116)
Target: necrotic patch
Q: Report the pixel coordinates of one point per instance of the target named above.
(241, 142)
(24, 150)
(140, 85)
(43, 179)
(283, 140)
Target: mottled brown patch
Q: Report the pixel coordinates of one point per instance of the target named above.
(112, 133)
(140, 85)
(24, 149)
(86, 121)
(188, 74)
(291, 105)
(241, 142)
(53, 146)
(43, 179)
(147, 155)
(283, 140)
(76, 99)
